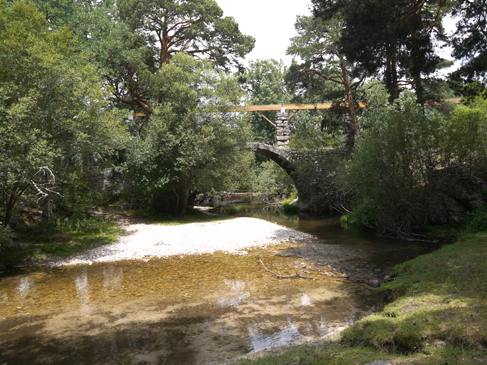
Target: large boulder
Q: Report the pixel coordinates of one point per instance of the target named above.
(454, 192)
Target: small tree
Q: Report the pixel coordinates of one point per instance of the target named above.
(399, 148)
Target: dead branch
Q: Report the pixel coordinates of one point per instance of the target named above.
(295, 276)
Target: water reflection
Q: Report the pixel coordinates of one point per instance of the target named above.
(305, 300)
(83, 290)
(187, 310)
(234, 293)
(112, 278)
(261, 340)
(24, 286)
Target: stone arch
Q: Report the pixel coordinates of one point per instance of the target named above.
(275, 154)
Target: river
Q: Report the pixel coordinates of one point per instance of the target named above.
(196, 309)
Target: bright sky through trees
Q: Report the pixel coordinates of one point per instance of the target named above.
(270, 22)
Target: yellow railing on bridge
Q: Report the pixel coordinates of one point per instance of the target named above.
(277, 107)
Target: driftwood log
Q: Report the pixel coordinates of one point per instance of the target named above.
(295, 276)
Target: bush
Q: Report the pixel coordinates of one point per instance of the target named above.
(6, 236)
(290, 199)
(400, 146)
(476, 221)
(81, 224)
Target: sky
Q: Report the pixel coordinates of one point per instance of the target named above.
(270, 22)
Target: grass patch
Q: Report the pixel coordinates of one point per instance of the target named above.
(62, 238)
(439, 315)
(286, 204)
(191, 216)
(291, 198)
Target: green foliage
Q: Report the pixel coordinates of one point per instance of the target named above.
(325, 72)
(393, 158)
(264, 84)
(476, 221)
(271, 179)
(290, 209)
(53, 110)
(290, 199)
(465, 138)
(6, 236)
(189, 141)
(196, 27)
(364, 215)
(129, 40)
(63, 237)
(402, 146)
(389, 38)
(469, 41)
(81, 224)
(468, 91)
(306, 133)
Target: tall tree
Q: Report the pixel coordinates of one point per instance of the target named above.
(190, 142)
(392, 39)
(470, 39)
(52, 106)
(318, 44)
(130, 40)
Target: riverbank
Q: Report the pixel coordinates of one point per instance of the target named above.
(145, 241)
(438, 316)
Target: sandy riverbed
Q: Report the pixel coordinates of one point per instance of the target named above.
(143, 241)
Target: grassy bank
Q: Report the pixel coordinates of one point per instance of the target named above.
(439, 316)
(60, 238)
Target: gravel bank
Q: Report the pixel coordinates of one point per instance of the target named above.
(143, 241)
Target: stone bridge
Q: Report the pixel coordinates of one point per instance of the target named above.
(309, 169)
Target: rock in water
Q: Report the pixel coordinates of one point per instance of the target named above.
(373, 282)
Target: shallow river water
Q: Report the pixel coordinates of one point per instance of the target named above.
(195, 309)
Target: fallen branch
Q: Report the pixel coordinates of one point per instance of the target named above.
(295, 276)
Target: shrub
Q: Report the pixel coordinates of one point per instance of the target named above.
(476, 221)
(6, 236)
(81, 224)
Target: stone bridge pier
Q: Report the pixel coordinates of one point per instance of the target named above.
(282, 129)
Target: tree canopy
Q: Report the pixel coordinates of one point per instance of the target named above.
(129, 40)
(390, 39)
(264, 84)
(318, 44)
(53, 109)
(470, 39)
(190, 142)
